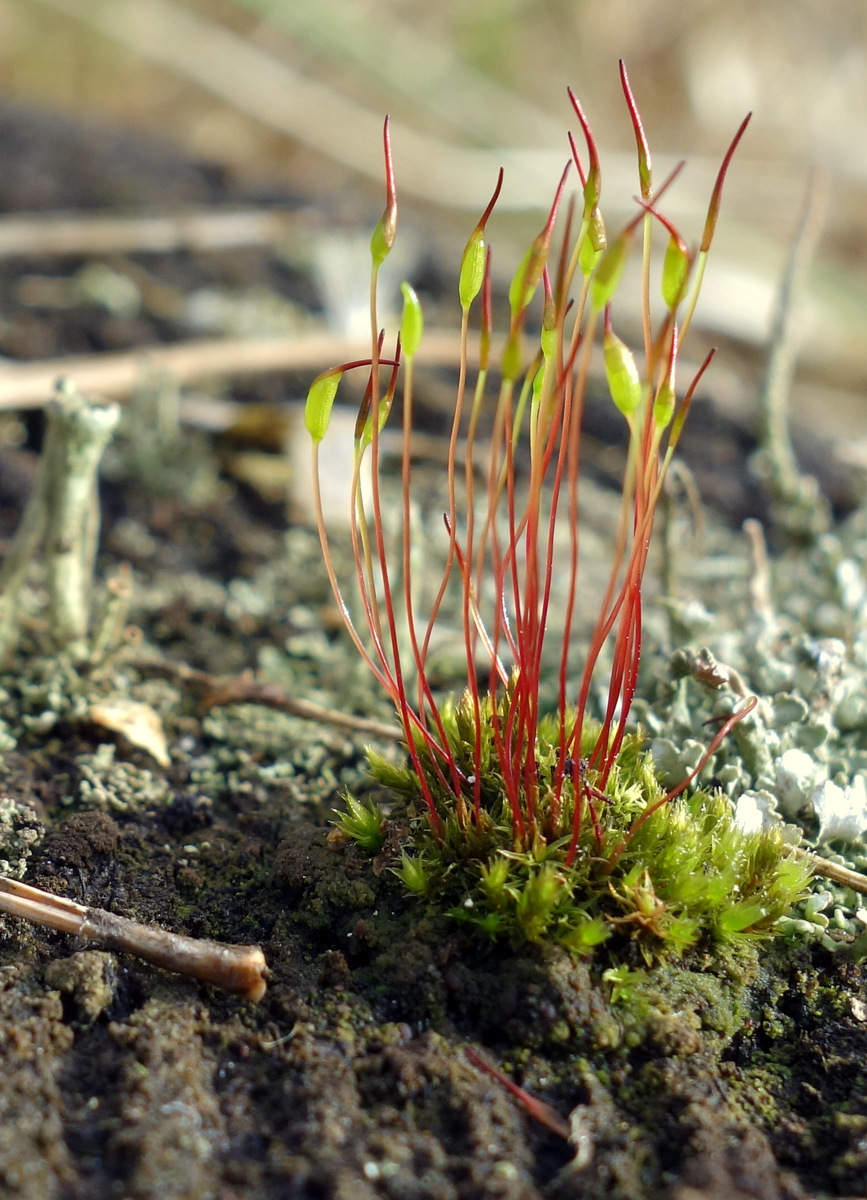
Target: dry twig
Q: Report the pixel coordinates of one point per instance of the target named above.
(833, 871)
(213, 691)
(46, 235)
(117, 374)
(238, 969)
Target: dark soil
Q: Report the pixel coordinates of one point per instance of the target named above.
(721, 1078)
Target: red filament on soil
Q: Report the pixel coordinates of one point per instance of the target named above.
(542, 1112)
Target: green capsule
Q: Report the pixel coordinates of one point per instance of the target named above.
(624, 382)
(526, 278)
(539, 383)
(320, 400)
(664, 405)
(364, 432)
(591, 190)
(412, 321)
(675, 273)
(609, 272)
(472, 274)
(383, 236)
(512, 359)
(594, 244)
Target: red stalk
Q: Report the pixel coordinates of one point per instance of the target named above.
(538, 1109)
(511, 551)
(644, 170)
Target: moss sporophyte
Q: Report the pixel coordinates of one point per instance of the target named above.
(543, 825)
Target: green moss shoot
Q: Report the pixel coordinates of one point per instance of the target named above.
(686, 875)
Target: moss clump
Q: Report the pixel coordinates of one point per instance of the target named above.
(664, 874)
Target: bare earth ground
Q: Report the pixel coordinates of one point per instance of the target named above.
(720, 1079)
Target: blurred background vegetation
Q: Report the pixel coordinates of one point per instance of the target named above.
(289, 95)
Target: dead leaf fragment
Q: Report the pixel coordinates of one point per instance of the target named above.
(137, 722)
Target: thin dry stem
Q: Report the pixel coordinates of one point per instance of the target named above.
(61, 234)
(238, 969)
(215, 691)
(117, 374)
(833, 871)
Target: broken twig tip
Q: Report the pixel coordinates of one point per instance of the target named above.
(241, 970)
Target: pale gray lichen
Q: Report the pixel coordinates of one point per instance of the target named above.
(800, 758)
(797, 775)
(756, 810)
(21, 831)
(106, 783)
(253, 748)
(44, 692)
(808, 734)
(841, 811)
(61, 519)
(47, 690)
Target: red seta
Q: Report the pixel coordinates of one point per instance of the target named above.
(504, 545)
